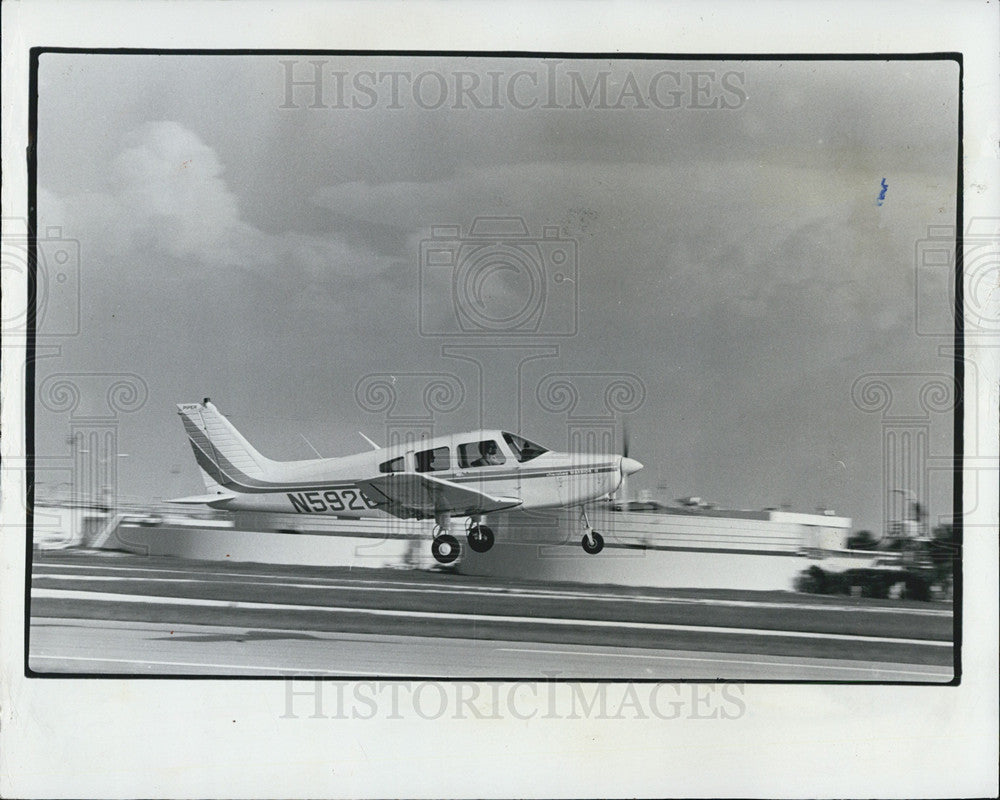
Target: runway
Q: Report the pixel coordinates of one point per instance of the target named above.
(117, 614)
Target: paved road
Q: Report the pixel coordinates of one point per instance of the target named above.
(99, 613)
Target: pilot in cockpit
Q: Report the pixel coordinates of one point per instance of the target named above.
(489, 455)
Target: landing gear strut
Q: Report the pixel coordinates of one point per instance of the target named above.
(593, 542)
(480, 536)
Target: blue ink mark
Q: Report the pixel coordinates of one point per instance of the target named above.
(881, 195)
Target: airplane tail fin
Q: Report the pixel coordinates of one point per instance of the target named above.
(226, 459)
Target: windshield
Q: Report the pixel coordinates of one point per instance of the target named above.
(523, 449)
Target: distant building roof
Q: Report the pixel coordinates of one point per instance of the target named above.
(793, 517)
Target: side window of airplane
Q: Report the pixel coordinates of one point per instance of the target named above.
(396, 465)
(480, 454)
(433, 460)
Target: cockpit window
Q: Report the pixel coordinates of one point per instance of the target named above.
(396, 465)
(480, 454)
(433, 460)
(523, 449)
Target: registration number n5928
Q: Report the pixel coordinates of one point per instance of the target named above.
(328, 500)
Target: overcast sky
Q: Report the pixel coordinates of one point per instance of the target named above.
(735, 258)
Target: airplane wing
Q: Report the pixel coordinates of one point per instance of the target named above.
(412, 494)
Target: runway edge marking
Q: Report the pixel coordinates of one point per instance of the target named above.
(67, 594)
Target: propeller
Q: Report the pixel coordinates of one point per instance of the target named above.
(623, 486)
(628, 466)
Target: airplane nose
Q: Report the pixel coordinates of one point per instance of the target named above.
(630, 465)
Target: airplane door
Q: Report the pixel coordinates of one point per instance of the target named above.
(562, 487)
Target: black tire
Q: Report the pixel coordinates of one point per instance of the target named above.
(596, 547)
(445, 548)
(481, 538)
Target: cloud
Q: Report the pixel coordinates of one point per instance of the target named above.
(168, 188)
(166, 200)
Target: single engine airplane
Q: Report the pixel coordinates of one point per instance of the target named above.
(459, 475)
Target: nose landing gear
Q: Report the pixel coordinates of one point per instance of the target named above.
(592, 541)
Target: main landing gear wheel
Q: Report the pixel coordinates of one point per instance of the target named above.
(445, 548)
(480, 538)
(592, 542)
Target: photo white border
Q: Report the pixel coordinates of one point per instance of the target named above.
(175, 738)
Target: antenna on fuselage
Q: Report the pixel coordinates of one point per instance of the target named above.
(374, 446)
(304, 439)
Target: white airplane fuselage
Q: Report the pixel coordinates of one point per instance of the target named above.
(327, 486)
